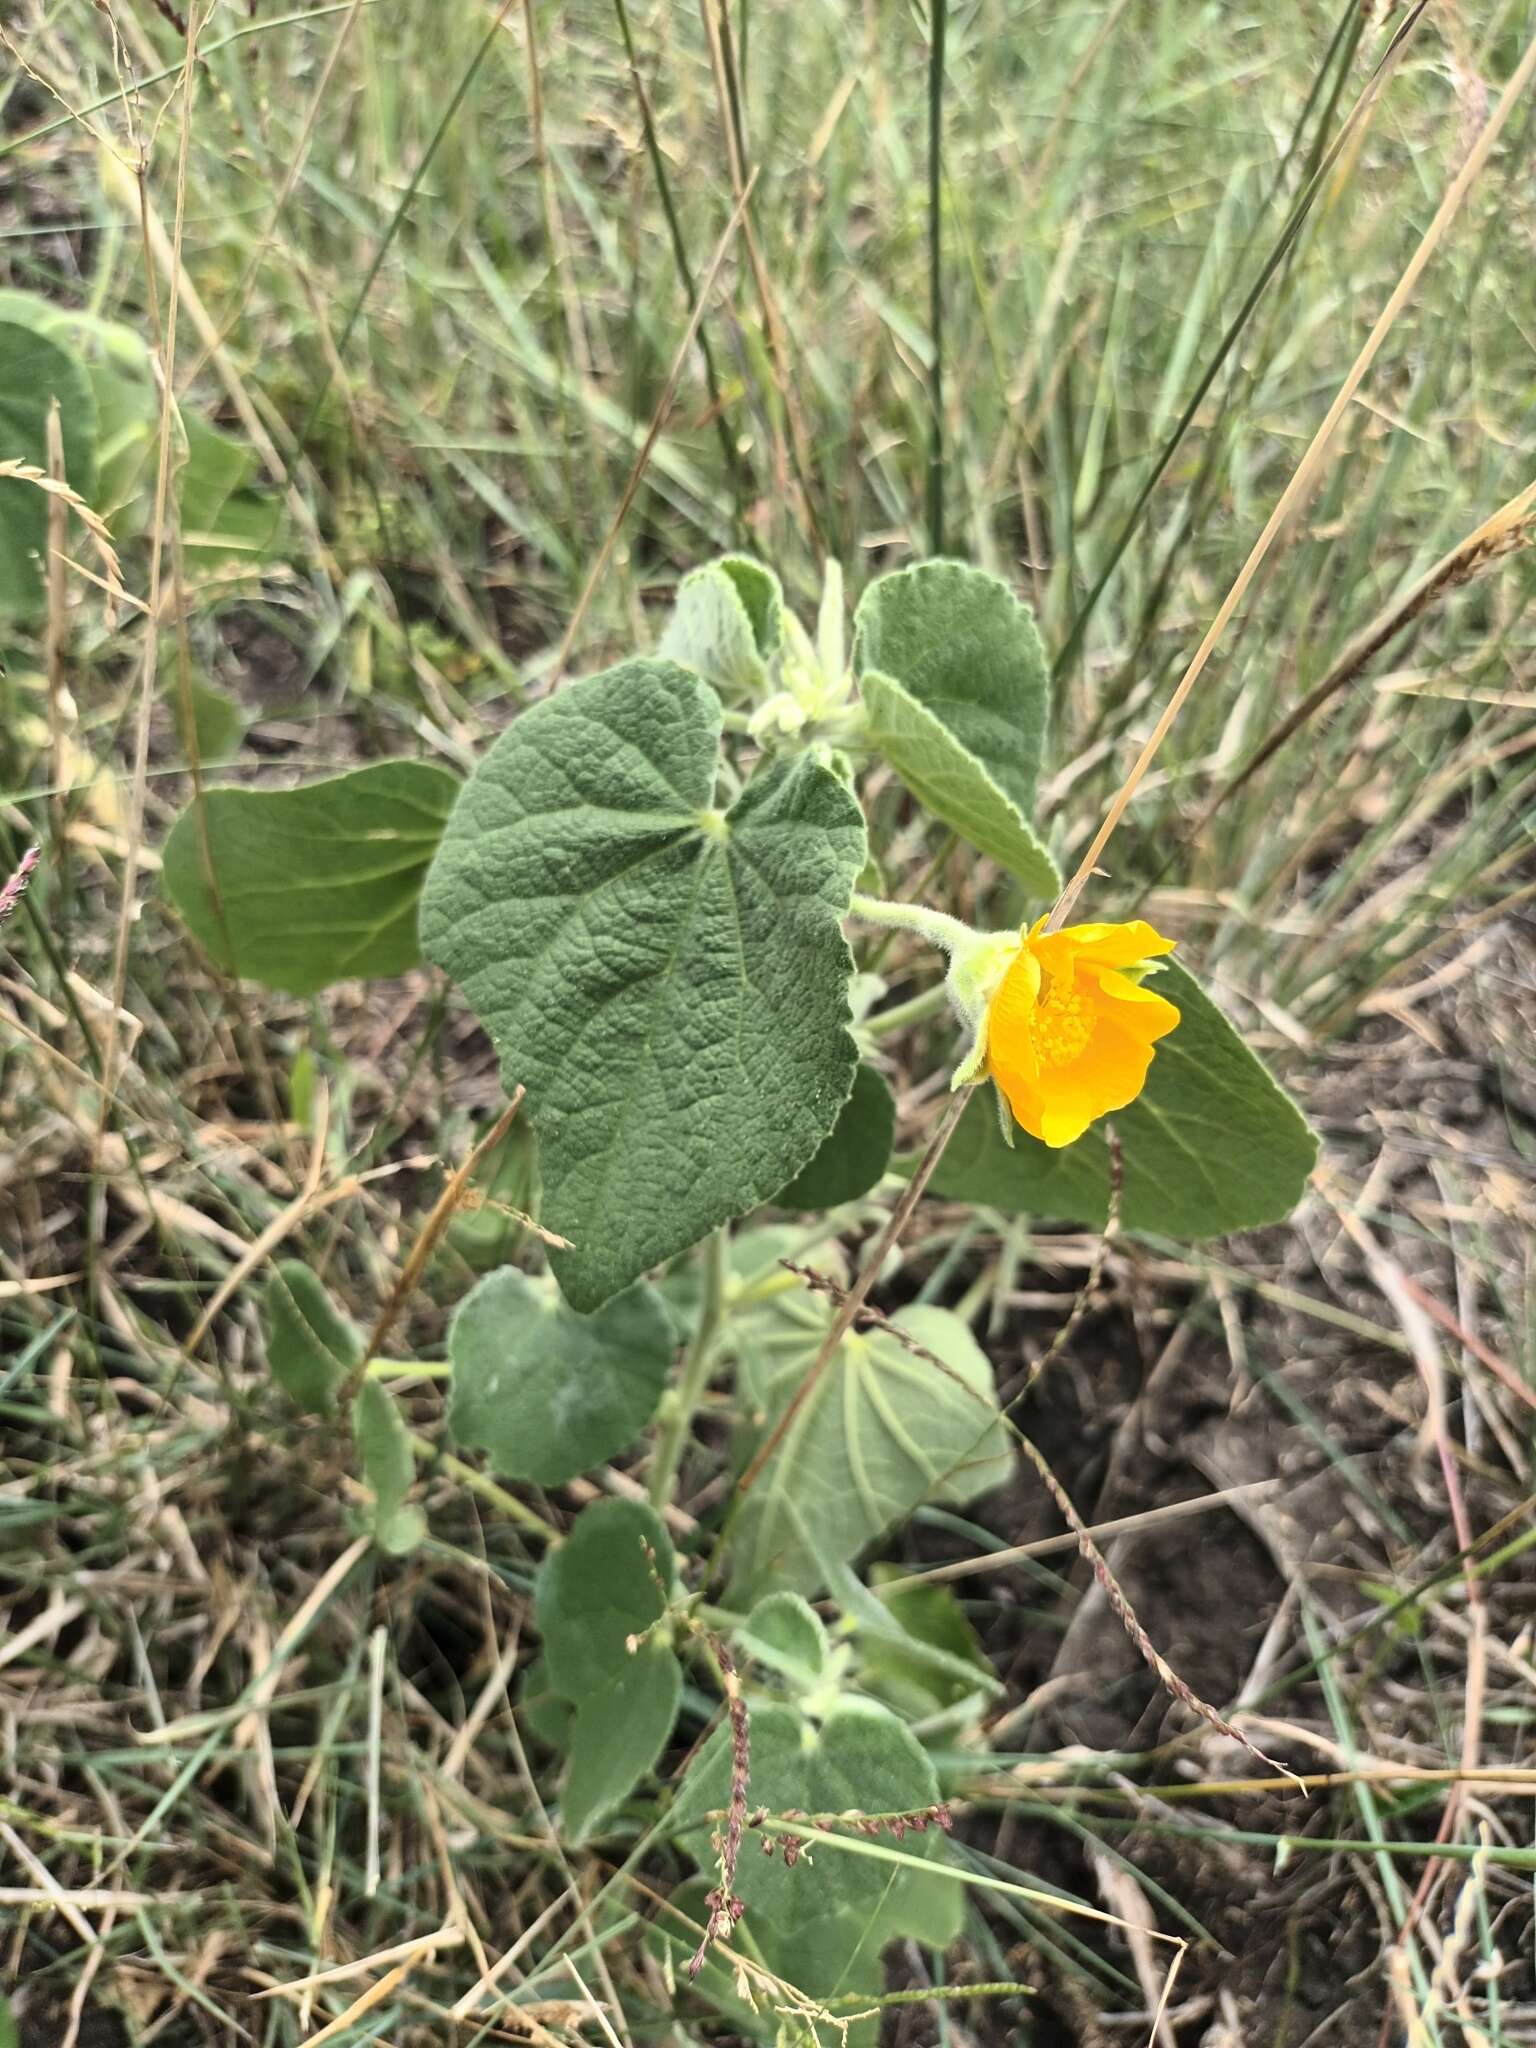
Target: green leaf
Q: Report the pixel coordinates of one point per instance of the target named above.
(601, 1588)
(548, 1713)
(311, 1345)
(786, 1633)
(9, 2038)
(550, 1393)
(389, 1467)
(725, 623)
(1211, 1144)
(216, 465)
(249, 529)
(670, 985)
(783, 1323)
(823, 1923)
(855, 1152)
(317, 884)
(952, 783)
(121, 373)
(931, 1618)
(883, 1431)
(34, 370)
(962, 646)
(218, 724)
(618, 1733)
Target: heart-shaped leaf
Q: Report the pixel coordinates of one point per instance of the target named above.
(670, 983)
(618, 1733)
(823, 1922)
(599, 1592)
(954, 684)
(786, 1634)
(942, 774)
(854, 1154)
(962, 646)
(302, 887)
(547, 1392)
(883, 1431)
(1211, 1144)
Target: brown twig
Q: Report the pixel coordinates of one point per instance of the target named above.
(1511, 527)
(442, 1210)
(725, 1907)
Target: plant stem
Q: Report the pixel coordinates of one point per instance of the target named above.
(938, 17)
(934, 925)
(931, 1003)
(482, 1483)
(714, 1262)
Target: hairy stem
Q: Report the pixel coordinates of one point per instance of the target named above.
(934, 925)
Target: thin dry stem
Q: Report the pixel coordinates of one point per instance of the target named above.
(95, 526)
(1304, 477)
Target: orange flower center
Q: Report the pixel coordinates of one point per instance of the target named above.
(1063, 1025)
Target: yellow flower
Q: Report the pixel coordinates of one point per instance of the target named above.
(1069, 1031)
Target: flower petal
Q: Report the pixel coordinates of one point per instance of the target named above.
(1116, 945)
(1146, 1013)
(1010, 1021)
(1110, 1072)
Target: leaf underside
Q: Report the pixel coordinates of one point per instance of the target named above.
(311, 885)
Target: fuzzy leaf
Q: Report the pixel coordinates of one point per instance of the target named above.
(311, 1345)
(317, 884)
(952, 783)
(725, 623)
(962, 646)
(786, 1633)
(35, 369)
(1212, 1143)
(823, 1923)
(670, 985)
(389, 1467)
(599, 1589)
(547, 1392)
(883, 1431)
(855, 1152)
(618, 1733)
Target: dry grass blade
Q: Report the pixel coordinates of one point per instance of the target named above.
(1304, 477)
(94, 524)
(426, 1238)
(159, 534)
(653, 434)
(1511, 527)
